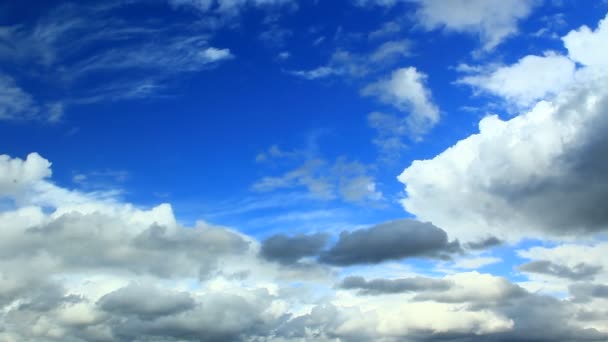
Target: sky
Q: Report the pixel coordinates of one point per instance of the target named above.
(284, 170)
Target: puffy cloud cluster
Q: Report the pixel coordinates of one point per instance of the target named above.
(406, 90)
(540, 174)
(94, 268)
(534, 78)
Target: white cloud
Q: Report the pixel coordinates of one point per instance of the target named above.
(492, 20)
(530, 79)
(533, 78)
(212, 54)
(587, 46)
(313, 74)
(535, 175)
(109, 271)
(406, 90)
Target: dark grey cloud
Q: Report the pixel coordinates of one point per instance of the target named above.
(145, 302)
(389, 286)
(587, 291)
(485, 243)
(390, 241)
(290, 249)
(578, 272)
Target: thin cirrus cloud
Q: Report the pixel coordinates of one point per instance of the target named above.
(65, 50)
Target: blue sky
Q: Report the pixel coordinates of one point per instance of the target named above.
(457, 142)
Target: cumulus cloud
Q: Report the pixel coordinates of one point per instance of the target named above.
(344, 179)
(389, 241)
(86, 269)
(534, 78)
(492, 20)
(525, 82)
(538, 174)
(17, 105)
(406, 90)
(484, 243)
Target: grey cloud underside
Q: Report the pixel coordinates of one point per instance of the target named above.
(578, 272)
(485, 243)
(289, 250)
(193, 251)
(586, 291)
(392, 286)
(145, 302)
(390, 241)
(144, 312)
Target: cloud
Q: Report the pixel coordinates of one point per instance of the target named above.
(290, 249)
(585, 45)
(535, 175)
(145, 302)
(353, 65)
(313, 74)
(392, 286)
(16, 175)
(585, 291)
(530, 79)
(344, 179)
(61, 49)
(18, 105)
(556, 269)
(534, 78)
(492, 20)
(228, 7)
(578, 272)
(83, 268)
(392, 240)
(484, 243)
(406, 91)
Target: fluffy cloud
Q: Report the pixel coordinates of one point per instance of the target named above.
(534, 78)
(538, 174)
(530, 79)
(492, 20)
(406, 91)
(83, 268)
